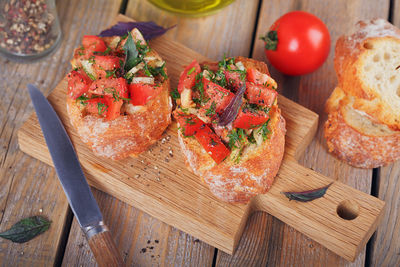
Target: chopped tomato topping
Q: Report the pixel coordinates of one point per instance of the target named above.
(78, 83)
(141, 93)
(212, 144)
(188, 76)
(93, 43)
(248, 119)
(114, 87)
(259, 78)
(233, 79)
(219, 97)
(260, 94)
(105, 106)
(190, 124)
(104, 66)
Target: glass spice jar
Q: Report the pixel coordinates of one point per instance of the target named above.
(29, 29)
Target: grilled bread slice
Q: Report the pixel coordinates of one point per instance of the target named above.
(367, 63)
(357, 138)
(254, 174)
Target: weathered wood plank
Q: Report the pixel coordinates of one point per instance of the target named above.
(385, 245)
(229, 31)
(27, 186)
(293, 248)
(141, 239)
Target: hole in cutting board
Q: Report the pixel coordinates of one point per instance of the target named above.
(348, 209)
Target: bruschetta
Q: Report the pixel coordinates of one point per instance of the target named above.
(118, 95)
(231, 130)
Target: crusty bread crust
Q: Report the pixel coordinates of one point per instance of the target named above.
(353, 137)
(351, 53)
(255, 172)
(127, 135)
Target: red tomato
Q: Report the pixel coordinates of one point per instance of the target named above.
(190, 124)
(217, 94)
(257, 77)
(93, 43)
(141, 93)
(117, 87)
(233, 79)
(104, 65)
(78, 83)
(106, 107)
(212, 144)
(188, 76)
(303, 43)
(247, 119)
(260, 94)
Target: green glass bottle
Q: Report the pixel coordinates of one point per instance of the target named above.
(191, 8)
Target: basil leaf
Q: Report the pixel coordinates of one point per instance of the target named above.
(26, 229)
(232, 109)
(131, 54)
(309, 195)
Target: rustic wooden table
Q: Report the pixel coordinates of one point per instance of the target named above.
(29, 187)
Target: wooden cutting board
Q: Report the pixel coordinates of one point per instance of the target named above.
(159, 183)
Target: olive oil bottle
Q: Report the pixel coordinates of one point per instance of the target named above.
(191, 8)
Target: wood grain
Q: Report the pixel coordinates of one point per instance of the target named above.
(27, 186)
(312, 90)
(141, 239)
(104, 250)
(174, 194)
(229, 31)
(385, 245)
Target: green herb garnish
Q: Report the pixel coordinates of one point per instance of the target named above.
(211, 110)
(26, 229)
(306, 196)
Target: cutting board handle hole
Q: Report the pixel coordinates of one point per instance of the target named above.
(348, 209)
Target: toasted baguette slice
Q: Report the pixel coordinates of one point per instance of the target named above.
(353, 136)
(258, 166)
(366, 63)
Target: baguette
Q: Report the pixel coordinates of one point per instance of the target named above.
(354, 136)
(367, 65)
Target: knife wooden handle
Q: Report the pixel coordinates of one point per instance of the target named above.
(104, 250)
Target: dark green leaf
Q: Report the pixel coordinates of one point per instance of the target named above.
(175, 94)
(131, 53)
(309, 195)
(26, 229)
(271, 40)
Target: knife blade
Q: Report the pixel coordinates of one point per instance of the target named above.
(73, 181)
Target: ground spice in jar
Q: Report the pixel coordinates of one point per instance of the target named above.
(26, 26)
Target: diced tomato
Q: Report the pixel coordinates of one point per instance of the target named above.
(141, 93)
(247, 119)
(259, 78)
(188, 76)
(189, 123)
(233, 79)
(93, 43)
(114, 108)
(260, 94)
(104, 64)
(97, 106)
(78, 83)
(217, 94)
(105, 106)
(114, 87)
(212, 144)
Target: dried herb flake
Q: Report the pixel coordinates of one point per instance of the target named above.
(309, 195)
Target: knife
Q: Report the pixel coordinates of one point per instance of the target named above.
(74, 183)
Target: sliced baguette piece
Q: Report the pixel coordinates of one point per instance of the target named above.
(258, 166)
(367, 65)
(354, 136)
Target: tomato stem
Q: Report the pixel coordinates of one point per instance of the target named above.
(271, 40)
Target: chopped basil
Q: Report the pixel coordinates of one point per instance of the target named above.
(211, 110)
(191, 70)
(110, 73)
(101, 108)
